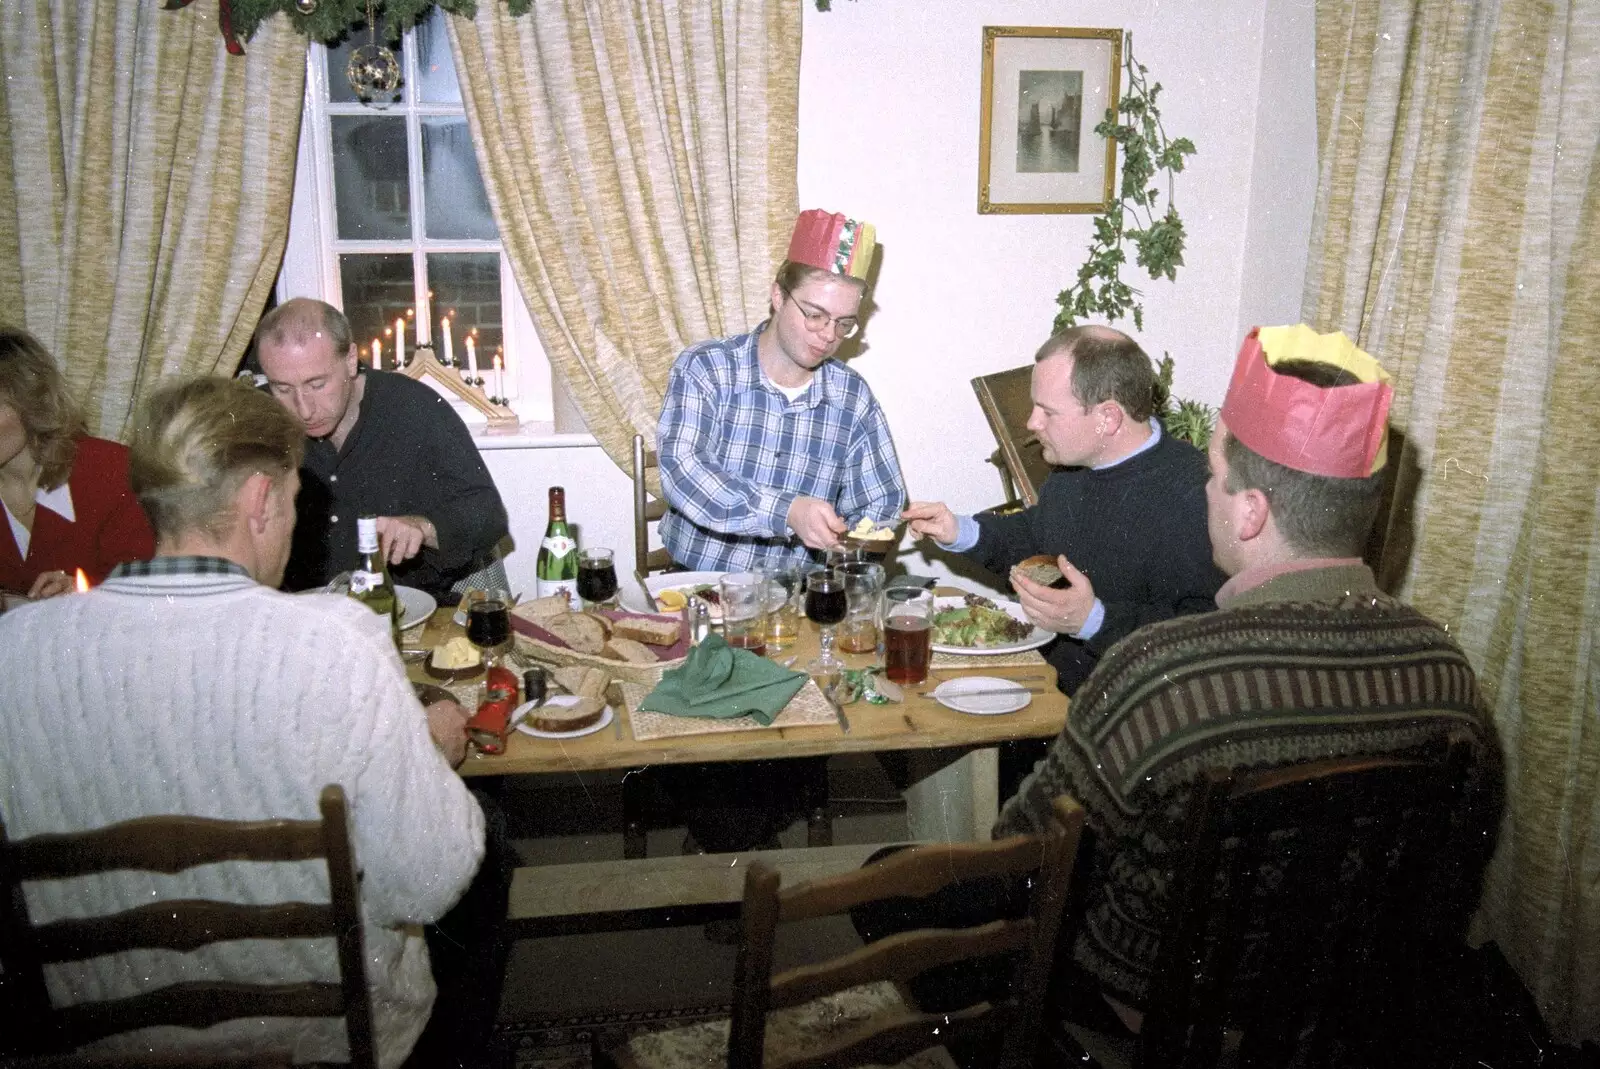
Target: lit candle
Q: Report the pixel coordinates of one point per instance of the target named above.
(399, 341)
(472, 355)
(499, 380)
(377, 355)
(449, 344)
(82, 582)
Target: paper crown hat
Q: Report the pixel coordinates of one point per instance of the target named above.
(833, 243)
(1339, 431)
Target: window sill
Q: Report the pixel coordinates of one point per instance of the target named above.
(533, 434)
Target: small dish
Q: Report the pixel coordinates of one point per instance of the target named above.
(451, 675)
(998, 695)
(560, 699)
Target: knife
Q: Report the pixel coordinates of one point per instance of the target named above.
(649, 598)
(838, 711)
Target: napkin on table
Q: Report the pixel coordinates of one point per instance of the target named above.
(718, 681)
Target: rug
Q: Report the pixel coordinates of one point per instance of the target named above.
(571, 1042)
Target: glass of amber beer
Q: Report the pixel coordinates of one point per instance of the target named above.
(907, 634)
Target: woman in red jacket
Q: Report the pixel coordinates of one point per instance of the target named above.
(66, 496)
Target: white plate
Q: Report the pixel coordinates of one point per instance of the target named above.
(684, 581)
(957, 694)
(561, 700)
(415, 606)
(1032, 642)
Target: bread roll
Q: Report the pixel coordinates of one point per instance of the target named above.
(540, 609)
(626, 649)
(651, 630)
(1042, 569)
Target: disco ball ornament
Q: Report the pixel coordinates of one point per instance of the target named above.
(373, 70)
(306, 7)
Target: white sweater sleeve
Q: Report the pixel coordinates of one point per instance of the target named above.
(418, 832)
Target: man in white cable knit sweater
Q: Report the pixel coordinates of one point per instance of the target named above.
(187, 684)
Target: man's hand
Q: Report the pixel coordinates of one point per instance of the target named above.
(402, 537)
(814, 520)
(932, 519)
(1062, 611)
(49, 584)
(447, 724)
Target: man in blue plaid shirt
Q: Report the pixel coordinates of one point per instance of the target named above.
(769, 447)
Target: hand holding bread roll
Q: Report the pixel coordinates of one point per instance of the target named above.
(1062, 609)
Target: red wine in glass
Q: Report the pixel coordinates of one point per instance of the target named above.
(825, 601)
(597, 581)
(489, 624)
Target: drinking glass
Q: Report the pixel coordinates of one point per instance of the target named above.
(826, 606)
(744, 611)
(863, 585)
(597, 578)
(783, 604)
(489, 625)
(907, 635)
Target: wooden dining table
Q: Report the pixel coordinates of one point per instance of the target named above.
(951, 756)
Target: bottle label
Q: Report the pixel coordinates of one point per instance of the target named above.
(560, 545)
(361, 582)
(567, 587)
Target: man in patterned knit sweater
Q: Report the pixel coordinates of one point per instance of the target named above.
(1304, 659)
(187, 684)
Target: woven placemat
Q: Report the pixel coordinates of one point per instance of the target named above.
(806, 707)
(1025, 659)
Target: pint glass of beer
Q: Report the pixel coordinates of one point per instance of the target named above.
(907, 634)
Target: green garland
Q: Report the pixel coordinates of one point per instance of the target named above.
(332, 20)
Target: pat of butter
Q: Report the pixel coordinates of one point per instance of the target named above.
(459, 652)
(864, 529)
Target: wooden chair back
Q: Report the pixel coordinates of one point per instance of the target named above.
(647, 506)
(916, 871)
(1006, 398)
(1305, 898)
(172, 844)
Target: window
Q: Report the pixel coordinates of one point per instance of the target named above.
(391, 221)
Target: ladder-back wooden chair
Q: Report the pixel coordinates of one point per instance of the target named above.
(848, 1010)
(172, 844)
(1306, 901)
(1006, 398)
(647, 507)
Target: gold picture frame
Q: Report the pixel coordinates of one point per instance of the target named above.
(1045, 89)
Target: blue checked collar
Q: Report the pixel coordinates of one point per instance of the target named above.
(747, 374)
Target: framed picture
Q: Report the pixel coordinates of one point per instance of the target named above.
(1045, 89)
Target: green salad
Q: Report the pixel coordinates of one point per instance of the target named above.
(978, 624)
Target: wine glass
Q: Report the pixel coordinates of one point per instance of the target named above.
(597, 578)
(489, 625)
(826, 605)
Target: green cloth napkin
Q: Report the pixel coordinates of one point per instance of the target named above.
(718, 681)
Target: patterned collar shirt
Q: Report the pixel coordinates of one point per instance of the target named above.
(736, 452)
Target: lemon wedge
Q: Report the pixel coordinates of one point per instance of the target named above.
(671, 600)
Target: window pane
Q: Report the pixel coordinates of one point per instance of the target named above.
(436, 67)
(466, 285)
(339, 90)
(458, 208)
(371, 184)
(378, 289)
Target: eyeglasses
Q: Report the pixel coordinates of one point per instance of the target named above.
(817, 320)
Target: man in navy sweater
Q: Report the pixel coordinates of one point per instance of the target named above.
(1124, 515)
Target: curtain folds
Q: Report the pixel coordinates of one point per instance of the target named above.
(640, 158)
(145, 180)
(1457, 238)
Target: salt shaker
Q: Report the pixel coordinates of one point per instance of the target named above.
(699, 620)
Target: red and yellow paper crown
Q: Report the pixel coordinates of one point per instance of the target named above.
(833, 243)
(1339, 431)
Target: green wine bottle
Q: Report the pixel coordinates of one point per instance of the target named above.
(370, 583)
(557, 566)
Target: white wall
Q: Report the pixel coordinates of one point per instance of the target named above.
(889, 104)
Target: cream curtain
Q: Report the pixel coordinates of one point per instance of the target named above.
(1457, 236)
(145, 179)
(639, 157)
